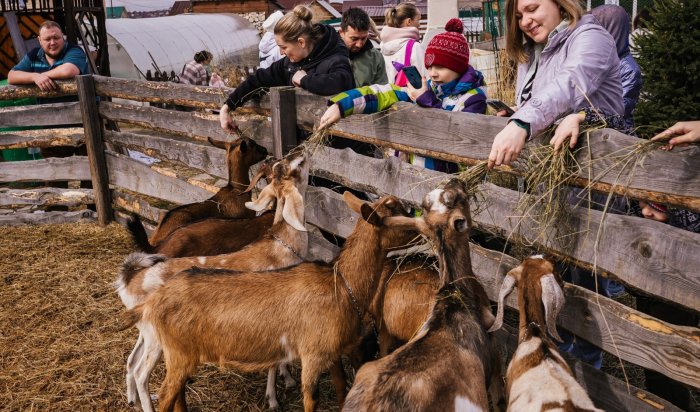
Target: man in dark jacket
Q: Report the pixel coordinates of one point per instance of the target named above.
(367, 62)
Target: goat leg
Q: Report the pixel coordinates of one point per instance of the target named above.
(339, 381)
(270, 392)
(289, 381)
(132, 394)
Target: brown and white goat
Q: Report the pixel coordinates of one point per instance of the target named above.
(283, 246)
(253, 321)
(538, 378)
(447, 366)
(228, 202)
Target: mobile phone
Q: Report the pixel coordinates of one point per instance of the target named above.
(499, 105)
(413, 76)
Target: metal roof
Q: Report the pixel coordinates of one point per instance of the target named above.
(173, 40)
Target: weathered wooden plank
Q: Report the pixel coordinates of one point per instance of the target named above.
(190, 124)
(95, 148)
(652, 256)
(47, 218)
(69, 168)
(139, 204)
(138, 177)
(607, 392)
(284, 120)
(195, 154)
(41, 115)
(17, 92)
(173, 93)
(122, 218)
(640, 339)
(45, 196)
(73, 136)
(666, 177)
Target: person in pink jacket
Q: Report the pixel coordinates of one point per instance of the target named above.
(400, 46)
(566, 62)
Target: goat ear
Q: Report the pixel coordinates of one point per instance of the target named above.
(266, 197)
(370, 215)
(219, 143)
(506, 287)
(293, 210)
(553, 301)
(353, 202)
(407, 223)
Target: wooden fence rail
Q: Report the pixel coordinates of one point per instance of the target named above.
(646, 255)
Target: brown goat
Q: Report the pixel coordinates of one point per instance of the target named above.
(228, 202)
(283, 246)
(254, 321)
(446, 367)
(538, 378)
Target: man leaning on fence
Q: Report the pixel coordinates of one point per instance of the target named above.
(55, 59)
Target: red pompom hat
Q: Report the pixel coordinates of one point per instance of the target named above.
(449, 49)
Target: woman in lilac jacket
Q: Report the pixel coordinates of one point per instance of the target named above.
(566, 62)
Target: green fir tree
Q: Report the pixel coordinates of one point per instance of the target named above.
(669, 56)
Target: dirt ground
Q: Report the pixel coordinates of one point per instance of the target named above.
(59, 348)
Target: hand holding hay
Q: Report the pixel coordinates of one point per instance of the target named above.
(330, 117)
(568, 129)
(689, 133)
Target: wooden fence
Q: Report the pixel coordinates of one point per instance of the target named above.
(646, 255)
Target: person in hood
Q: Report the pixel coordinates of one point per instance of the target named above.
(399, 42)
(616, 21)
(566, 61)
(366, 61)
(316, 60)
(269, 51)
(454, 85)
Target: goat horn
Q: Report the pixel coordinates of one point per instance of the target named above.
(254, 182)
(506, 287)
(553, 300)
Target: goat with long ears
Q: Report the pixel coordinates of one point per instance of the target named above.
(538, 378)
(449, 363)
(284, 245)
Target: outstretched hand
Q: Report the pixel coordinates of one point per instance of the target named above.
(568, 128)
(226, 121)
(331, 116)
(507, 145)
(689, 133)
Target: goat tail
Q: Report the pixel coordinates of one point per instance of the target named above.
(138, 233)
(130, 317)
(133, 264)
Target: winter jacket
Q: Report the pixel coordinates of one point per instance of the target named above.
(576, 66)
(393, 48)
(269, 50)
(368, 66)
(463, 95)
(327, 72)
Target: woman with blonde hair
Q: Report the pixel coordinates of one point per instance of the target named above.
(315, 59)
(566, 63)
(400, 46)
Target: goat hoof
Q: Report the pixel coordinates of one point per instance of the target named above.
(272, 404)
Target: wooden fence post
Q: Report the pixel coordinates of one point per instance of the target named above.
(284, 120)
(95, 147)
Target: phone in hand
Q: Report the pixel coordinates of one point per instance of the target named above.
(498, 105)
(413, 76)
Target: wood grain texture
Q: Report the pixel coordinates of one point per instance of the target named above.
(69, 168)
(45, 196)
(41, 115)
(65, 87)
(47, 218)
(73, 136)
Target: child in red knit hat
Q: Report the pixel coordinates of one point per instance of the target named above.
(453, 85)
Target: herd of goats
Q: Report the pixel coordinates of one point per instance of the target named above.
(227, 282)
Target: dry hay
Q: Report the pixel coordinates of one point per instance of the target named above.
(59, 349)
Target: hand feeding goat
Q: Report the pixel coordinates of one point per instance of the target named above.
(447, 366)
(253, 321)
(538, 378)
(283, 246)
(228, 202)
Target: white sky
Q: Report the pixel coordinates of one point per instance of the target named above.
(141, 5)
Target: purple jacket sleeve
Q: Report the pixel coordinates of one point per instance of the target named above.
(589, 54)
(428, 99)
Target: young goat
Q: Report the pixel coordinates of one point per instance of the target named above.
(228, 202)
(283, 246)
(446, 367)
(252, 321)
(538, 378)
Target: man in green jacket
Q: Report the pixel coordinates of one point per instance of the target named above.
(366, 61)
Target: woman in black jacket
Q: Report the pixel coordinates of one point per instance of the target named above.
(316, 60)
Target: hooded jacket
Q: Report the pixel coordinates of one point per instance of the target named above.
(327, 72)
(576, 66)
(393, 48)
(269, 50)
